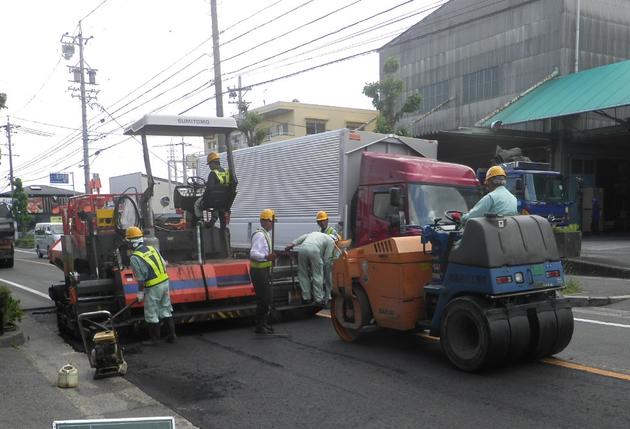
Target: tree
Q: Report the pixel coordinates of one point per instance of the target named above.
(20, 205)
(3, 100)
(249, 127)
(384, 95)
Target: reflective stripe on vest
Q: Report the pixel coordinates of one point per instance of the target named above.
(222, 176)
(157, 272)
(262, 264)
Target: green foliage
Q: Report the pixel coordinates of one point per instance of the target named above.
(3, 100)
(384, 95)
(572, 286)
(249, 126)
(25, 242)
(12, 311)
(20, 205)
(574, 227)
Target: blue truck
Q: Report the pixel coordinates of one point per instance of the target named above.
(539, 190)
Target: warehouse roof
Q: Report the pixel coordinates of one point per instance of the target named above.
(595, 89)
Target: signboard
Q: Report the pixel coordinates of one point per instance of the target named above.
(59, 178)
(129, 423)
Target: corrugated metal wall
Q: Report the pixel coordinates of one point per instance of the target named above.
(271, 169)
(523, 39)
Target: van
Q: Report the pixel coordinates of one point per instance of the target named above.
(46, 234)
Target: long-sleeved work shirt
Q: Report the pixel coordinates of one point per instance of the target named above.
(323, 242)
(500, 201)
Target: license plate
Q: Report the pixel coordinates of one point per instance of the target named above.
(538, 270)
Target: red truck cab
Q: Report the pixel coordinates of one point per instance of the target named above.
(398, 194)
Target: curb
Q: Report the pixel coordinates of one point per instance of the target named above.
(12, 338)
(594, 301)
(584, 268)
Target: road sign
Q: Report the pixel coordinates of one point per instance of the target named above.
(129, 423)
(59, 178)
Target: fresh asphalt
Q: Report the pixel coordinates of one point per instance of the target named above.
(223, 375)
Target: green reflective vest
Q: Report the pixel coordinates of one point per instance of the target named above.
(223, 176)
(157, 271)
(262, 264)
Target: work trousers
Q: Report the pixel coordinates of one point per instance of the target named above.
(261, 278)
(311, 272)
(157, 303)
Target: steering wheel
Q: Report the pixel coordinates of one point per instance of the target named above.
(448, 214)
(196, 181)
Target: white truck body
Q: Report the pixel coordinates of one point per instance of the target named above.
(299, 177)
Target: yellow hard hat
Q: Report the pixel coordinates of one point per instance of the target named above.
(133, 232)
(494, 171)
(267, 214)
(322, 215)
(212, 156)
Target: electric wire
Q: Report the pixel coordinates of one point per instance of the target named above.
(249, 17)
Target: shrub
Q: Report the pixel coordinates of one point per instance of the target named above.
(12, 311)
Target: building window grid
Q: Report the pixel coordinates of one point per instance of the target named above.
(315, 126)
(432, 95)
(480, 85)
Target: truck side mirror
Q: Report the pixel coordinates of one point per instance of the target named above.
(519, 185)
(395, 198)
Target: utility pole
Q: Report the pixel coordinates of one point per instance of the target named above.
(68, 42)
(218, 88)
(577, 38)
(238, 93)
(8, 127)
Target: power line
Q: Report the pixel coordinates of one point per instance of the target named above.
(45, 123)
(293, 30)
(41, 87)
(250, 16)
(94, 10)
(282, 15)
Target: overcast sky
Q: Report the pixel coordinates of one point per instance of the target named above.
(156, 56)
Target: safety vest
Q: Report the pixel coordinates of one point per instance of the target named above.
(223, 176)
(151, 257)
(262, 264)
(333, 233)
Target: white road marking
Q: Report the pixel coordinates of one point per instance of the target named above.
(599, 322)
(30, 252)
(48, 264)
(27, 289)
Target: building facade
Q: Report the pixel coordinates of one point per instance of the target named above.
(286, 120)
(471, 58)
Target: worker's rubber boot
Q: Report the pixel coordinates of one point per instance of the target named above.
(154, 335)
(170, 327)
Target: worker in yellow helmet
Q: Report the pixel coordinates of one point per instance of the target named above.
(149, 270)
(261, 257)
(498, 200)
(322, 221)
(218, 176)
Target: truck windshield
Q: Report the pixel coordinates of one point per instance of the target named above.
(428, 202)
(545, 187)
(57, 229)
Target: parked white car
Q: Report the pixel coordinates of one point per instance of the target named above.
(46, 234)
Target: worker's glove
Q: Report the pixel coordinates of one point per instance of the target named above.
(457, 216)
(140, 296)
(271, 257)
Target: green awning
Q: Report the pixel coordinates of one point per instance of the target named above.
(599, 88)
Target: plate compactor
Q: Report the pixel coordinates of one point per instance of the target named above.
(105, 355)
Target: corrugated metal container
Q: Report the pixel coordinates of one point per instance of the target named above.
(301, 176)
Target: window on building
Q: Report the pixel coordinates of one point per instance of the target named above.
(354, 125)
(282, 129)
(314, 126)
(481, 85)
(433, 95)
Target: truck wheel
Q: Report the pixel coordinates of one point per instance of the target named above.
(564, 317)
(9, 263)
(356, 311)
(469, 338)
(40, 255)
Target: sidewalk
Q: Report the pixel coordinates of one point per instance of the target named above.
(598, 291)
(31, 398)
(605, 255)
